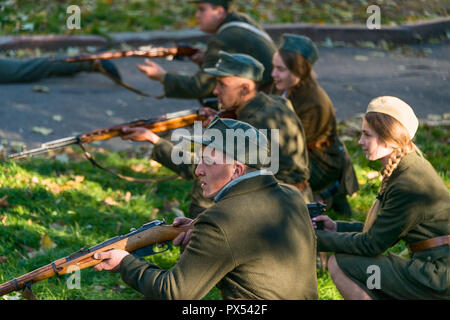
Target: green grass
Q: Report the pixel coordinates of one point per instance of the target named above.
(104, 16)
(75, 205)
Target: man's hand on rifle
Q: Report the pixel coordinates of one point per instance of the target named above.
(198, 57)
(183, 238)
(209, 113)
(111, 260)
(140, 134)
(152, 70)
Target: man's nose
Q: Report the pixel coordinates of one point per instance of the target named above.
(216, 91)
(199, 170)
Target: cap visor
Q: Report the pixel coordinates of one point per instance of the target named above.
(217, 73)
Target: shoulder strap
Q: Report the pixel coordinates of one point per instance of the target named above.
(247, 26)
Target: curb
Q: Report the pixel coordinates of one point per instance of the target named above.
(412, 33)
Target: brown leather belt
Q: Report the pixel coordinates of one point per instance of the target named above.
(302, 185)
(430, 243)
(318, 145)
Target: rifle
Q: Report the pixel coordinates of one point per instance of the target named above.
(157, 52)
(158, 124)
(139, 242)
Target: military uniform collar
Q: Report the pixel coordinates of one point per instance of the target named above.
(235, 16)
(256, 102)
(247, 183)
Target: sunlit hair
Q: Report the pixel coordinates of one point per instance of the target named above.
(395, 135)
(297, 64)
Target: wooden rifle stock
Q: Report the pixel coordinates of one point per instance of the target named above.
(139, 242)
(158, 52)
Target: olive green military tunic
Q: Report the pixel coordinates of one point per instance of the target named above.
(414, 207)
(256, 242)
(233, 39)
(262, 112)
(330, 162)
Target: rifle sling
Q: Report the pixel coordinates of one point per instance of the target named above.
(118, 175)
(98, 65)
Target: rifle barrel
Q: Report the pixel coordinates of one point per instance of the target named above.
(157, 52)
(51, 145)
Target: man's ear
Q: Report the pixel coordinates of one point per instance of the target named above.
(245, 89)
(239, 169)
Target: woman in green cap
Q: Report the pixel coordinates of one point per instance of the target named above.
(413, 205)
(332, 174)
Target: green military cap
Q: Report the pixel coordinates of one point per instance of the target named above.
(238, 140)
(239, 65)
(223, 3)
(300, 44)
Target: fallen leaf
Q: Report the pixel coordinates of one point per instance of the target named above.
(42, 130)
(127, 196)
(4, 202)
(41, 89)
(63, 158)
(3, 259)
(372, 174)
(111, 202)
(47, 243)
(57, 118)
(434, 117)
(140, 167)
(79, 179)
(361, 58)
(13, 296)
(155, 164)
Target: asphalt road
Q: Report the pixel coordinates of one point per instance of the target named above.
(351, 77)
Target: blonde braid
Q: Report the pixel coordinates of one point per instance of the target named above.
(394, 160)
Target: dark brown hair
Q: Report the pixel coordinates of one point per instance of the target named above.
(297, 64)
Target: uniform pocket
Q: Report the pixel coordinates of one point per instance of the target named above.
(430, 271)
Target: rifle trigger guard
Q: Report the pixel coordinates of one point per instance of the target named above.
(148, 250)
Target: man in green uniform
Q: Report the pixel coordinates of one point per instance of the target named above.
(255, 242)
(237, 78)
(30, 70)
(233, 32)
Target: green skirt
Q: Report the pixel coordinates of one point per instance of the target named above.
(396, 279)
